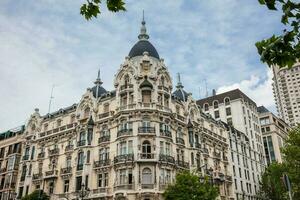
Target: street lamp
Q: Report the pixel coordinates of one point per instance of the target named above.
(84, 191)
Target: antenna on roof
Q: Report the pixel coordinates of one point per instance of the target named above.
(199, 90)
(51, 97)
(206, 91)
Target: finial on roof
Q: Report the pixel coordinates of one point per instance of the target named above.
(179, 84)
(143, 34)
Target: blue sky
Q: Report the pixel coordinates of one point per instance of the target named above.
(47, 42)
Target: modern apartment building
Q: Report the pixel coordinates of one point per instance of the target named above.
(247, 153)
(128, 143)
(286, 89)
(10, 155)
(275, 132)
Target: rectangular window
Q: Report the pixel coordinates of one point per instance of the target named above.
(78, 183)
(100, 180)
(87, 181)
(66, 186)
(105, 179)
(228, 111)
(122, 177)
(217, 114)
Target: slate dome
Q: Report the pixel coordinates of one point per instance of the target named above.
(143, 46)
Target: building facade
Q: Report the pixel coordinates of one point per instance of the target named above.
(125, 144)
(274, 131)
(286, 84)
(239, 112)
(10, 156)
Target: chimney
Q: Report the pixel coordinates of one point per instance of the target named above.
(214, 92)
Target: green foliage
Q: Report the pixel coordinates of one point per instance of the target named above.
(282, 50)
(36, 195)
(272, 186)
(187, 186)
(92, 7)
(291, 153)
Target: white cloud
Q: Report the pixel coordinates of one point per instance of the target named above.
(48, 42)
(257, 88)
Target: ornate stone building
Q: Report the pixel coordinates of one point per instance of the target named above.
(127, 143)
(10, 154)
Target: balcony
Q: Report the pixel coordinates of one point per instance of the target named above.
(163, 108)
(79, 167)
(104, 139)
(179, 141)
(147, 186)
(26, 157)
(164, 88)
(124, 132)
(66, 170)
(69, 147)
(124, 158)
(205, 152)
(146, 156)
(124, 87)
(181, 118)
(41, 155)
(56, 130)
(217, 155)
(81, 143)
(51, 174)
(54, 152)
(225, 159)
(182, 164)
(146, 130)
(124, 187)
(101, 163)
(101, 190)
(37, 176)
(198, 145)
(166, 159)
(103, 115)
(3, 170)
(165, 133)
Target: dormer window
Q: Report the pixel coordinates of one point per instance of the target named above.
(146, 96)
(227, 101)
(58, 123)
(216, 104)
(206, 107)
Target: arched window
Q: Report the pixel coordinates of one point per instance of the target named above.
(146, 150)
(227, 101)
(146, 177)
(126, 80)
(162, 81)
(216, 104)
(206, 107)
(86, 112)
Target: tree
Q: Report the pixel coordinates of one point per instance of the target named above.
(291, 153)
(272, 186)
(36, 195)
(188, 186)
(91, 8)
(282, 50)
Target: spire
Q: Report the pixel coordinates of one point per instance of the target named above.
(143, 34)
(98, 80)
(179, 84)
(98, 83)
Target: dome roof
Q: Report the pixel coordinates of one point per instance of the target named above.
(100, 91)
(140, 47)
(181, 94)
